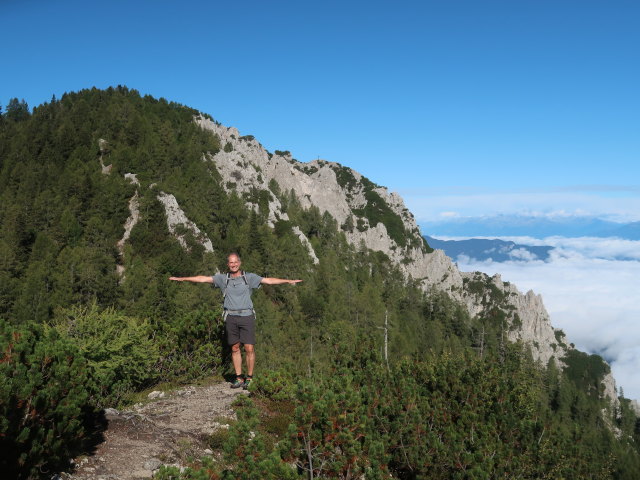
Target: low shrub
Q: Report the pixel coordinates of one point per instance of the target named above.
(43, 400)
(119, 350)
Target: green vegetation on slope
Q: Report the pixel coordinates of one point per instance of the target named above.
(452, 415)
(470, 404)
(376, 210)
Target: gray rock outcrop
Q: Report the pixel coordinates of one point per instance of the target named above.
(176, 218)
(245, 166)
(342, 192)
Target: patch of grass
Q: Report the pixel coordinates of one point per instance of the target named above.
(275, 416)
(142, 396)
(217, 439)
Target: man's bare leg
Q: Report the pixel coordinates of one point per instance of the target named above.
(251, 358)
(236, 359)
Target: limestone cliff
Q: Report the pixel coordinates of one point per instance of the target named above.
(345, 194)
(379, 220)
(177, 222)
(371, 216)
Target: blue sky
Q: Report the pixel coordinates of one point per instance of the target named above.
(464, 107)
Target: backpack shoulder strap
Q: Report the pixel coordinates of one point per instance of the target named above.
(226, 285)
(244, 277)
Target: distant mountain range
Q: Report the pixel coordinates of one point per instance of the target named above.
(484, 249)
(538, 227)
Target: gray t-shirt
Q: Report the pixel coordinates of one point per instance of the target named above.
(238, 293)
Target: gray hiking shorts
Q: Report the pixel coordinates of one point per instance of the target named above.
(241, 329)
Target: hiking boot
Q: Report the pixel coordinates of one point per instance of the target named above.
(247, 382)
(238, 383)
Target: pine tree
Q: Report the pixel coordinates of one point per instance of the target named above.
(17, 111)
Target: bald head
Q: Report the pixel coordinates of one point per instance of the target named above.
(233, 263)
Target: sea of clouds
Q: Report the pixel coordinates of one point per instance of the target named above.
(591, 289)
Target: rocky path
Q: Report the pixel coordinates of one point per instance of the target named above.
(167, 430)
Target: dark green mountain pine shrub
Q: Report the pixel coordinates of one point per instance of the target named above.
(449, 416)
(44, 387)
(118, 348)
(191, 344)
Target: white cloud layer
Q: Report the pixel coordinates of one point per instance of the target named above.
(430, 205)
(589, 294)
(578, 248)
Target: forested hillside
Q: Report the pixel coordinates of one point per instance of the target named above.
(88, 317)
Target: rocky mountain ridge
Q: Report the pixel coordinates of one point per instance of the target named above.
(493, 250)
(247, 165)
(244, 165)
(373, 217)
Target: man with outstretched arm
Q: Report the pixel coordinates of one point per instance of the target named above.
(240, 320)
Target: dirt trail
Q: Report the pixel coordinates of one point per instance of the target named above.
(164, 431)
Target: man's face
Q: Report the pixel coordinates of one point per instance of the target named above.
(233, 262)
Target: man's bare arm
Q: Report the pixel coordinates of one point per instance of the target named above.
(196, 279)
(278, 281)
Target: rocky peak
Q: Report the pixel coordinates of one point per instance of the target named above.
(342, 192)
(372, 216)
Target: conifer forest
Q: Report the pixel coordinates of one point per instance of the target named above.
(86, 322)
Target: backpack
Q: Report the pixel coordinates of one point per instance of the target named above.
(224, 294)
(226, 285)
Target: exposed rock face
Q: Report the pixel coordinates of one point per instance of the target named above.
(305, 241)
(133, 178)
(176, 218)
(610, 390)
(134, 217)
(245, 165)
(534, 323)
(437, 272)
(103, 145)
(177, 221)
(347, 196)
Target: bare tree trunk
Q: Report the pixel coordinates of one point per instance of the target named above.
(386, 338)
(307, 445)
